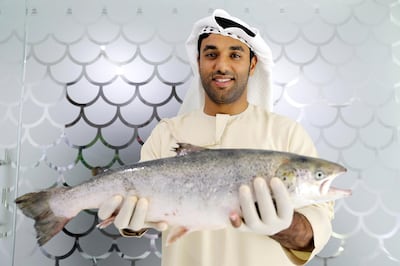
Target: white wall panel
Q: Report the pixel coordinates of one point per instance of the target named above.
(92, 78)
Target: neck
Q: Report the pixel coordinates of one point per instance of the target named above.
(211, 108)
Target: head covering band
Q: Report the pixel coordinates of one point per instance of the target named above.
(209, 29)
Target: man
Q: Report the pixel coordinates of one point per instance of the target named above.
(228, 107)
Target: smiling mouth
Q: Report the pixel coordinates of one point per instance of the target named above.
(222, 82)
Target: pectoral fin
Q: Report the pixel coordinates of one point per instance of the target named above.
(176, 233)
(103, 224)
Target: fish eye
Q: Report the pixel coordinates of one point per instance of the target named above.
(319, 175)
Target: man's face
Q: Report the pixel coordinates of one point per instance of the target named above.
(224, 68)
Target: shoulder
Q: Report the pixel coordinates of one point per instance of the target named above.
(188, 127)
(166, 125)
(166, 134)
(295, 137)
(272, 119)
(183, 119)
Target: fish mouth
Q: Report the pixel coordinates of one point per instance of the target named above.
(326, 188)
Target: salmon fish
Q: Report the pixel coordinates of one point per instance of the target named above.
(195, 190)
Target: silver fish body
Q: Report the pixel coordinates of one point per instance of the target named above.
(195, 190)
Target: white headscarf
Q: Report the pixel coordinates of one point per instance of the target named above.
(259, 85)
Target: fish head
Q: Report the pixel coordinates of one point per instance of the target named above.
(309, 180)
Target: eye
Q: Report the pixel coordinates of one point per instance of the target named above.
(236, 56)
(210, 55)
(319, 175)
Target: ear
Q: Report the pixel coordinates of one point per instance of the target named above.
(253, 64)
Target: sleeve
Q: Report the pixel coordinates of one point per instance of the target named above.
(151, 149)
(319, 215)
(301, 142)
(159, 144)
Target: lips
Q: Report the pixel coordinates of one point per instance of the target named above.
(222, 81)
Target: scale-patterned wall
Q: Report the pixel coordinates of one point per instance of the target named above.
(94, 78)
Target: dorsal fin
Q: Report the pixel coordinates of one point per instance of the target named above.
(186, 148)
(98, 170)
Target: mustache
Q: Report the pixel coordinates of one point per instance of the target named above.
(222, 73)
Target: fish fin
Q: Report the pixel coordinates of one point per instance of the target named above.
(186, 148)
(36, 206)
(98, 170)
(176, 233)
(103, 224)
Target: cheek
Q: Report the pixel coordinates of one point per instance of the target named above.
(204, 67)
(242, 73)
(242, 69)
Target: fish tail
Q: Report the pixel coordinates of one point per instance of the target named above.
(36, 206)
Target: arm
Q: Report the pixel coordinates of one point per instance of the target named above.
(275, 217)
(309, 228)
(317, 218)
(299, 235)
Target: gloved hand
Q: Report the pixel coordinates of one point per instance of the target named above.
(130, 217)
(267, 220)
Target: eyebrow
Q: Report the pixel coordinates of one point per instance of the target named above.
(233, 48)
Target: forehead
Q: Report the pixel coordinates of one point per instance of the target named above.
(221, 42)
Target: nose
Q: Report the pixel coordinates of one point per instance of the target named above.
(221, 64)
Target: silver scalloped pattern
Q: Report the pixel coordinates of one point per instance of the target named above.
(99, 76)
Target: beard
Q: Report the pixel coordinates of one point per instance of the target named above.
(224, 95)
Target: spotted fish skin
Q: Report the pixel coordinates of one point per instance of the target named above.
(195, 190)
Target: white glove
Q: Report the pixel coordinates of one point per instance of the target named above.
(269, 220)
(130, 215)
